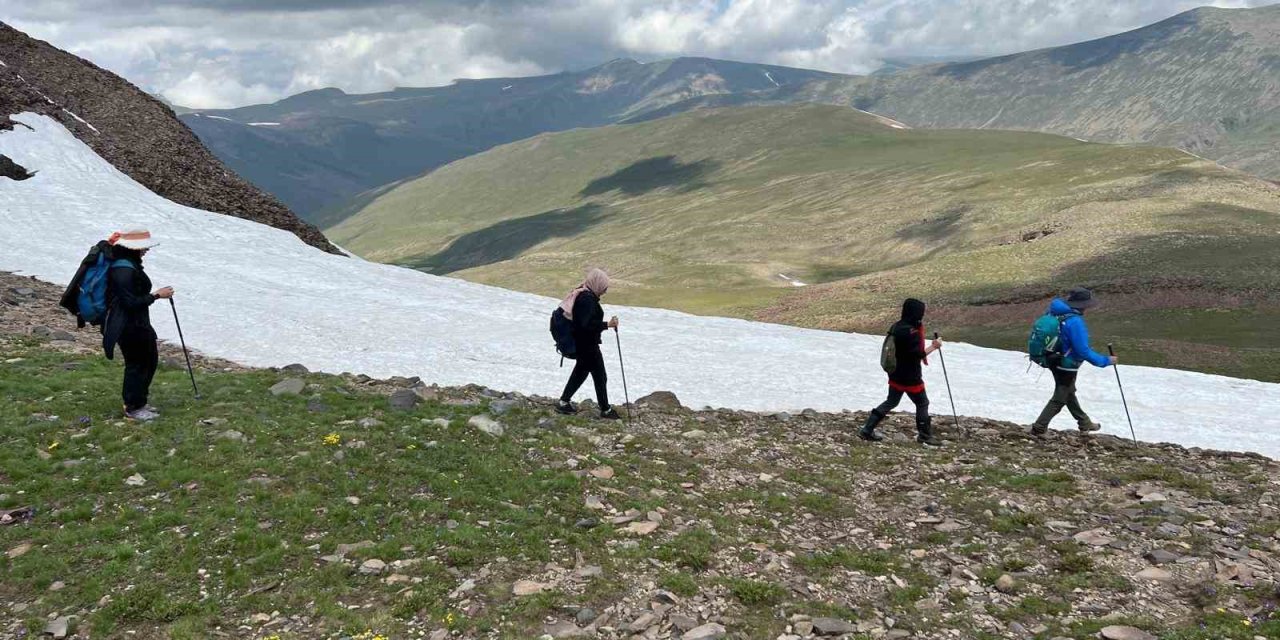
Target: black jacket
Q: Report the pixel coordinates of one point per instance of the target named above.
(129, 303)
(588, 320)
(908, 340)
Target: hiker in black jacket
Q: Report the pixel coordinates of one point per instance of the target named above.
(128, 322)
(582, 308)
(907, 377)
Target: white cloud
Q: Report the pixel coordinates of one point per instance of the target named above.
(201, 53)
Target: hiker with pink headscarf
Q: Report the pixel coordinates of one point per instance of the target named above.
(582, 308)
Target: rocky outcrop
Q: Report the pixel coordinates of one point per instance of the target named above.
(135, 132)
(12, 170)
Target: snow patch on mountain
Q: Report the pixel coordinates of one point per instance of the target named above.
(258, 295)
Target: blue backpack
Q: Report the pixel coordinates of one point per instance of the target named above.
(1044, 345)
(92, 300)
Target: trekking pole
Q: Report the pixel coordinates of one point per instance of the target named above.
(1111, 349)
(943, 360)
(626, 395)
(183, 340)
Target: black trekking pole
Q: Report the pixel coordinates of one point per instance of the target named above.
(626, 395)
(947, 378)
(1111, 349)
(183, 340)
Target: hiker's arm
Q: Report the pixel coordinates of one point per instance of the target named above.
(122, 289)
(1080, 349)
(934, 346)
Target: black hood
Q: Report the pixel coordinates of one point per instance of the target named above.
(913, 311)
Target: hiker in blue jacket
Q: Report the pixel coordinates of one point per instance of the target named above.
(1072, 352)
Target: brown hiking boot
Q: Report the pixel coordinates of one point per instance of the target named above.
(1089, 427)
(1039, 430)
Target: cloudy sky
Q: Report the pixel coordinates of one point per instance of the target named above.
(221, 53)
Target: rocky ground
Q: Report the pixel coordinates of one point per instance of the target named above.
(679, 524)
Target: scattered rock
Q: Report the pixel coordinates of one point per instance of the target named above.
(295, 369)
(565, 629)
(344, 549)
(368, 423)
(832, 627)
(646, 620)
(1093, 538)
(135, 480)
(403, 400)
(500, 407)
(602, 473)
(711, 631)
(19, 551)
(1160, 556)
(1115, 632)
(642, 528)
(230, 434)
(1006, 584)
(694, 434)
(660, 400)
(524, 588)
(289, 387)
(1155, 573)
(487, 425)
(58, 627)
(373, 567)
(586, 616)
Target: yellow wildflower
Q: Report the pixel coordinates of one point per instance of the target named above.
(332, 439)
(54, 445)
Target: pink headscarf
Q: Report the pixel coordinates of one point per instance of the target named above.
(597, 282)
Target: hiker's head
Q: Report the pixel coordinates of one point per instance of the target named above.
(1081, 299)
(913, 311)
(132, 242)
(597, 281)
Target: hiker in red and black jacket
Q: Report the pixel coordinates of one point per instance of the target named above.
(909, 343)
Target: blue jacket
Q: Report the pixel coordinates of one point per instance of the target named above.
(1074, 338)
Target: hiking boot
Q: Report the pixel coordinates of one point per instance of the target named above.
(868, 430)
(140, 415)
(565, 407)
(609, 413)
(1039, 430)
(924, 434)
(1089, 427)
(152, 409)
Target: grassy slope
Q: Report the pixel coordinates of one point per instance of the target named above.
(225, 529)
(703, 211)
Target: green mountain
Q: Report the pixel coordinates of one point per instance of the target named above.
(729, 211)
(317, 150)
(1207, 81)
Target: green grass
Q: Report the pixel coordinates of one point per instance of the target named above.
(704, 212)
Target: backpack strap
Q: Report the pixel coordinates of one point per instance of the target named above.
(121, 262)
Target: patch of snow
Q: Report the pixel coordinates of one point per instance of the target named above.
(2, 64)
(81, 121)
(258, 295)
(770, 77)
(220, 118)
(793, 281)
(508, 87)
(264, 124)
(888, 121)
(993, 119)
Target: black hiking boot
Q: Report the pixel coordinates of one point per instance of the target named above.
(868, 430)
(1039, 431)
(924, 433)
(609, 413)
(565, 407)
(1089, 426)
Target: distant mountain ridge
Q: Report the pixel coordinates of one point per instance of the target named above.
(319, 149)
(133, 131)
(1206, 81)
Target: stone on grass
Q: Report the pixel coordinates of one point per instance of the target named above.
(58, 627)
(1160, 556)
(1093, 538)
(832, 627)
(369, 423)
(564, 629)
(1155, 573)
(487, 425)
(373, 567)
(403, 400)
(295, 369)
(642, 528)
(1117, 632)
(1006, 584)
(289, 387)
(499, 407)
(661, 400)
(711, 631)
(19, 550)
(135, 480)
(524, 588)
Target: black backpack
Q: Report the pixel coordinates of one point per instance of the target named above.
(562, 334)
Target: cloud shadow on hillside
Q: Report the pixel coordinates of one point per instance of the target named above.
(655, 173)
(510, 238)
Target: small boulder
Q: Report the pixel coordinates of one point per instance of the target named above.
(58, 627)
(832, 627)
(502, 406)
(564, 629)
(1155, 574)
(487, 425)
(289, 387)
(135, 480)
(295, 369)
(1006, 584)
(660, 401)
(1160, 556)
(373, 567)
(524, 588)
(1117, 632)
(711, 631)
(403, 400)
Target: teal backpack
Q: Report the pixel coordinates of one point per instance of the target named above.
(1043, 347)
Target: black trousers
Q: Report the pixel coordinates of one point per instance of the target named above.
(140, 360)
(921, 400)
(590, 362)
(1064, 395)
